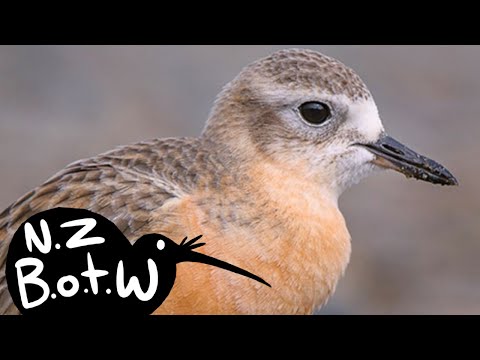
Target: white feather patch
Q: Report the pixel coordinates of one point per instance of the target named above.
(364, 117)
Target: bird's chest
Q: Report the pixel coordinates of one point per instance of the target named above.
(303, 257)
(277, 226)
(298, 242)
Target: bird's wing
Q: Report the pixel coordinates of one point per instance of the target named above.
(128, 186)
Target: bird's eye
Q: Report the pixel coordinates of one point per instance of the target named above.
(160, 245)
(315, 113)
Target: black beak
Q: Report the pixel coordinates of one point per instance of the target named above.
(394, 155)
(192, 256)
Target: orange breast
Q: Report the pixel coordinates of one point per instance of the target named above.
(294, 239)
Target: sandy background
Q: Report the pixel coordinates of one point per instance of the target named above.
(416, 247)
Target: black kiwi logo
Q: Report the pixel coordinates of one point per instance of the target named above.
(71, 261)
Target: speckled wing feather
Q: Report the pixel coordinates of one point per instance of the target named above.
(128, 185)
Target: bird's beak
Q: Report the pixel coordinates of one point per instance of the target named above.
(393, 155)
(192, 256)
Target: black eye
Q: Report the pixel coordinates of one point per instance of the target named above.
(315, 113)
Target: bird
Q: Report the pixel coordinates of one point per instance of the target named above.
(283, 140)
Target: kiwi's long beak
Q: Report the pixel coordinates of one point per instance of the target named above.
(393, 155)
(192, 256)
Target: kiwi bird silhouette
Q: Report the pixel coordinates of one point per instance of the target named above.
(148, 267)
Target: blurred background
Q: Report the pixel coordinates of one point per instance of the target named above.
(416, 247)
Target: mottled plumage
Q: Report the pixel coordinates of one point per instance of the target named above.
(299, 69)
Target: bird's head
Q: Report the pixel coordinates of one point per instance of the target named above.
(159, 247)
(165, 250)
(301, 109)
